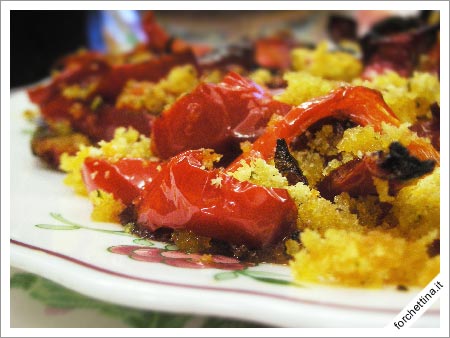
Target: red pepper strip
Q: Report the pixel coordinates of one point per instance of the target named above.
(216, 116)
(125, 179)
(183, 196)
(361, 105)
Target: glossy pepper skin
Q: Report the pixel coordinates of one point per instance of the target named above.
(125, 178)
(217, 116)
(186, 196)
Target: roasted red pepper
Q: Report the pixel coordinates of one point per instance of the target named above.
(99, 123)
(216, 116)
(213, 204)
(125, 179)
(354, 177)
(361, 105)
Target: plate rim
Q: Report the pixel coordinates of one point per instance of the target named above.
(90, 266)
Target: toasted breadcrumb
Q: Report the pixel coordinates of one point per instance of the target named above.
(217, 182)
(352, 241)
(371, 259)
(155, 97)
(303, 86)
(417, 206)
(261, 76)
(331, 65)
(105, 207)
(259, 172)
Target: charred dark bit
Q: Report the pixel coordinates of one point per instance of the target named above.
(160, 235)
(128, 215)
(434, 248)
(402, 288)
(287, 165)
(401, 165)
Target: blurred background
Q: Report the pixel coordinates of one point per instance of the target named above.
(39, 38)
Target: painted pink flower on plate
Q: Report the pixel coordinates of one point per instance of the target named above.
(177, 258)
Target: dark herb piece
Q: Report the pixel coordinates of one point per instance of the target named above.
(401, 165)
(434, 248)
(287, 165)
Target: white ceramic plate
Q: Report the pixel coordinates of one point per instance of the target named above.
(52, 235)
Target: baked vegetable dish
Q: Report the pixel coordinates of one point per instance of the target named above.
(324, 157)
